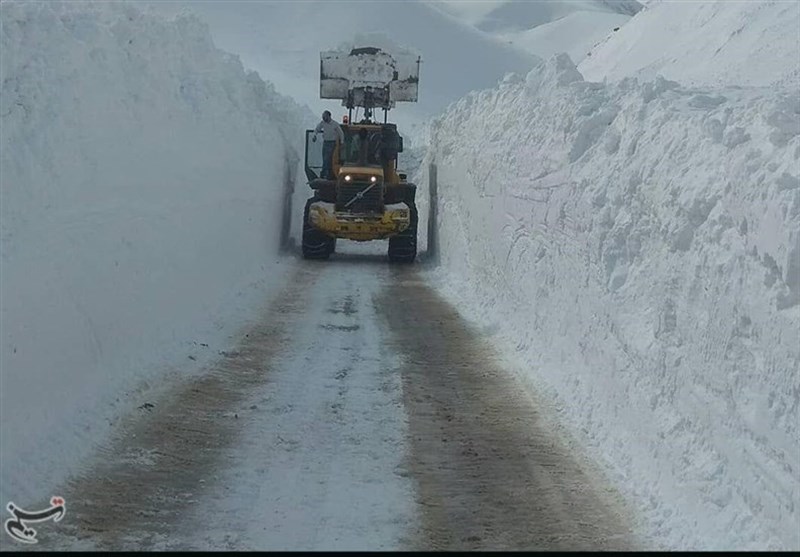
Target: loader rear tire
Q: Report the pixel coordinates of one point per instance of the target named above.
(403, 247)
(316, 244)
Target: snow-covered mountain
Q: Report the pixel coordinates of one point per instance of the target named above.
(523, 16)
(704, 43)
(546, 28)
(575, 34)
(504, 15)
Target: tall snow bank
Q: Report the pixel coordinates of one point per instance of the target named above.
(143, 178)
(713, 42)
(638, 245)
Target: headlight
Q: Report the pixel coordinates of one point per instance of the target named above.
(347, 178)
(373, 179)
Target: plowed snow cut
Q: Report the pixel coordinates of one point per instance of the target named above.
(358, 413)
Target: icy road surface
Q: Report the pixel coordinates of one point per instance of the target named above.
(359, 413)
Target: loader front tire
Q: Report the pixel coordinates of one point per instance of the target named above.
(403, 246)
(316, 244)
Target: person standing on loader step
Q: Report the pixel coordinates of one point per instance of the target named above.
(331, 131)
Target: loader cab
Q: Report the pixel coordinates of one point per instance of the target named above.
(383, 145)
(361, 146)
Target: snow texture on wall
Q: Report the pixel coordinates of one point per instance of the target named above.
(638, 245)
(143, 176)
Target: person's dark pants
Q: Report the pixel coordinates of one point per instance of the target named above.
(327, 159)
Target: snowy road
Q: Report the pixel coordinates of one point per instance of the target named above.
(360, 412)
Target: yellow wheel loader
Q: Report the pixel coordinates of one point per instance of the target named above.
(366, 198)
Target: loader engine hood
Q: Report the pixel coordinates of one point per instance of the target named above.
(360, 190)
(361, 174)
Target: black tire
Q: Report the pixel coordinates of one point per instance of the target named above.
(403, 247)
(316, 244)
(324, 190)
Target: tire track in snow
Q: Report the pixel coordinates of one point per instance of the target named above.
(319, 465)
(359, 385)
(139, 485)
(489, 475)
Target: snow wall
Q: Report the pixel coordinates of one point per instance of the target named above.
(638, 245)
(143, 176)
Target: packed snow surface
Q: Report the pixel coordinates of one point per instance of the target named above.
(638, 245)
(143, 175)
